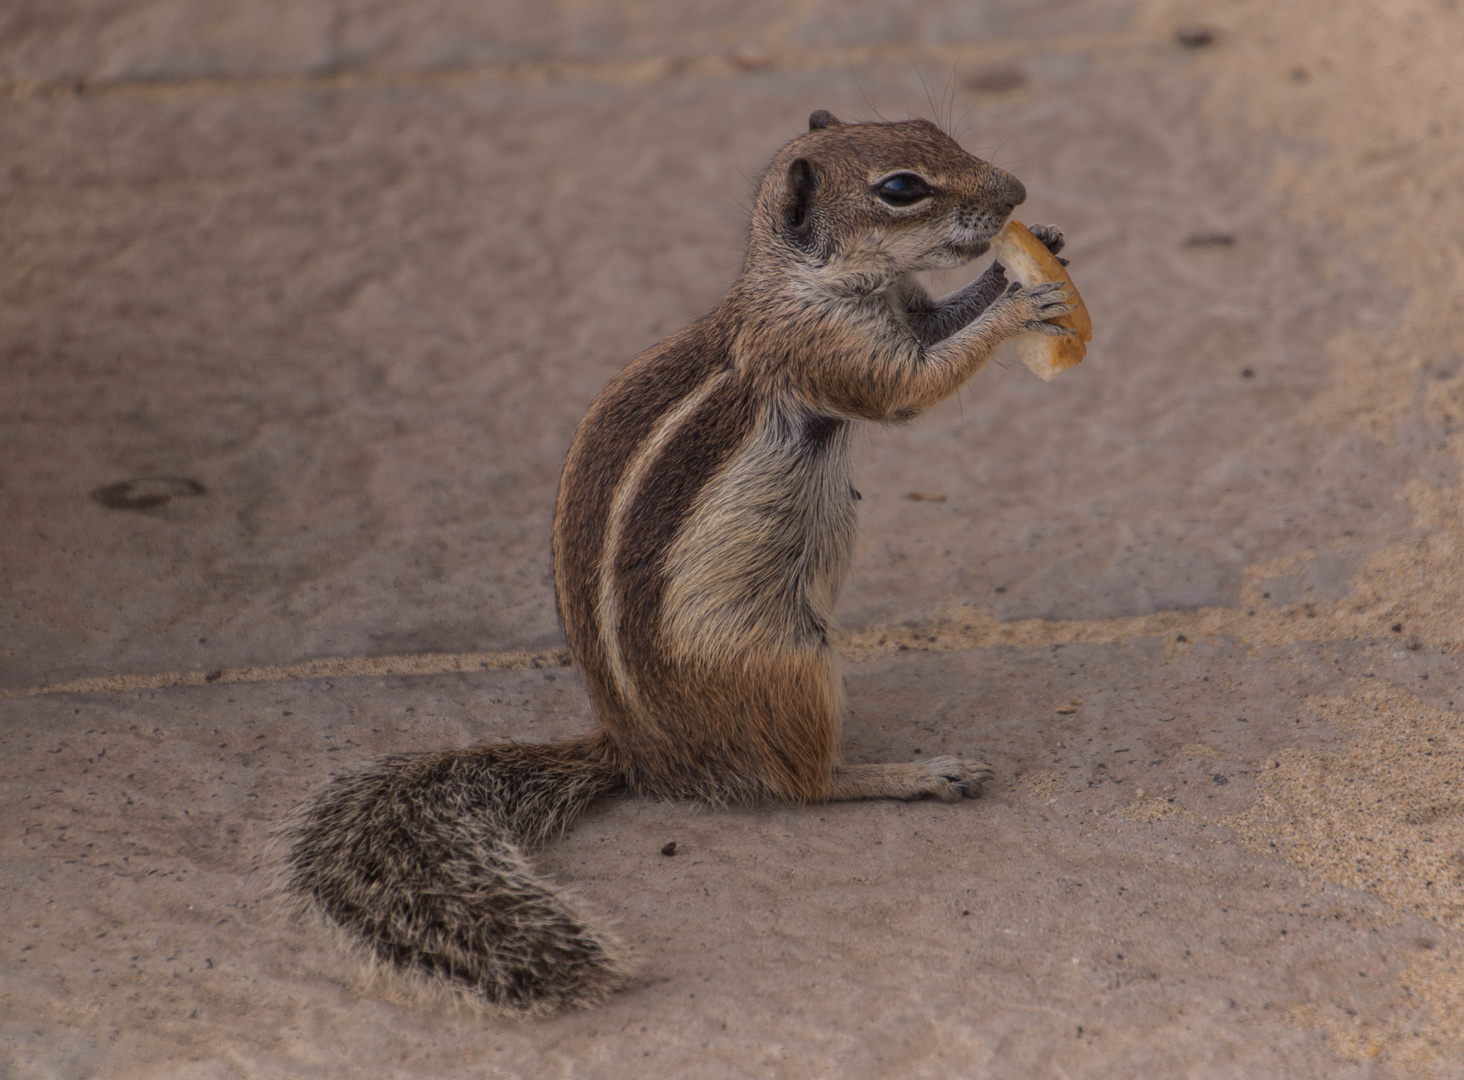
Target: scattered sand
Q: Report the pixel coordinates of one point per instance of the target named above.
(1385, 816)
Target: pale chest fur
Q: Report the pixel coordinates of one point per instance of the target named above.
(759, 562)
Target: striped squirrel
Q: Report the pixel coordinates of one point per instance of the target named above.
(702, 533)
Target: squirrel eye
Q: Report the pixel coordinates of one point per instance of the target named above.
(902, 189)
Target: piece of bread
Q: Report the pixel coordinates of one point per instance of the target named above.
(1026, 259)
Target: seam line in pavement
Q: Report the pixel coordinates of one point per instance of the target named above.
(613, 70)
(954, 630)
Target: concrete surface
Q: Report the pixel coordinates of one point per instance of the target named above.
(355, 271)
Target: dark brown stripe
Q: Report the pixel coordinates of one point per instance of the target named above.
(819, 432)
(608, 439)
(690, 458)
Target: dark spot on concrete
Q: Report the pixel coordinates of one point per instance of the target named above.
(669, 849)
(147, 493)
(996, 80)
(1430, 814)
(1219, 779)
(1194, 37)
(1209, 240)
(1247, 373)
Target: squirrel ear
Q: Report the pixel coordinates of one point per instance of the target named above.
(822, 119)
(798, 201)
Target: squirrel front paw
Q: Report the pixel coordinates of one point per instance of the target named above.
(1027, 309)
(1051, 237)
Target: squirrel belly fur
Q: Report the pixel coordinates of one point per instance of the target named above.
(703, 530)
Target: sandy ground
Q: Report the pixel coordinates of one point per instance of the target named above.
(356, 271)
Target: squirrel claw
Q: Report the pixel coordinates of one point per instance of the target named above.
(1042, 326)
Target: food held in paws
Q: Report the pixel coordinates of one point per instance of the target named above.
(1026, 259)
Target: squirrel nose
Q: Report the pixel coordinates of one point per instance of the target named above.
(1010, 192)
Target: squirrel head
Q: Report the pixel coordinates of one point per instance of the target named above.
(857, 205)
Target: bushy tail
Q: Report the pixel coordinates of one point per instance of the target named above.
(420, 856)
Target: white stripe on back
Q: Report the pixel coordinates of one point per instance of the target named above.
(609, 603)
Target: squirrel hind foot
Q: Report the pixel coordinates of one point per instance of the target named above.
(945, 778)
(429, 878)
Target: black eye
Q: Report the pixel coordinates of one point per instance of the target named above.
(902, 189)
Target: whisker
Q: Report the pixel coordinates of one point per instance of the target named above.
(867, 100)
(929, 98)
